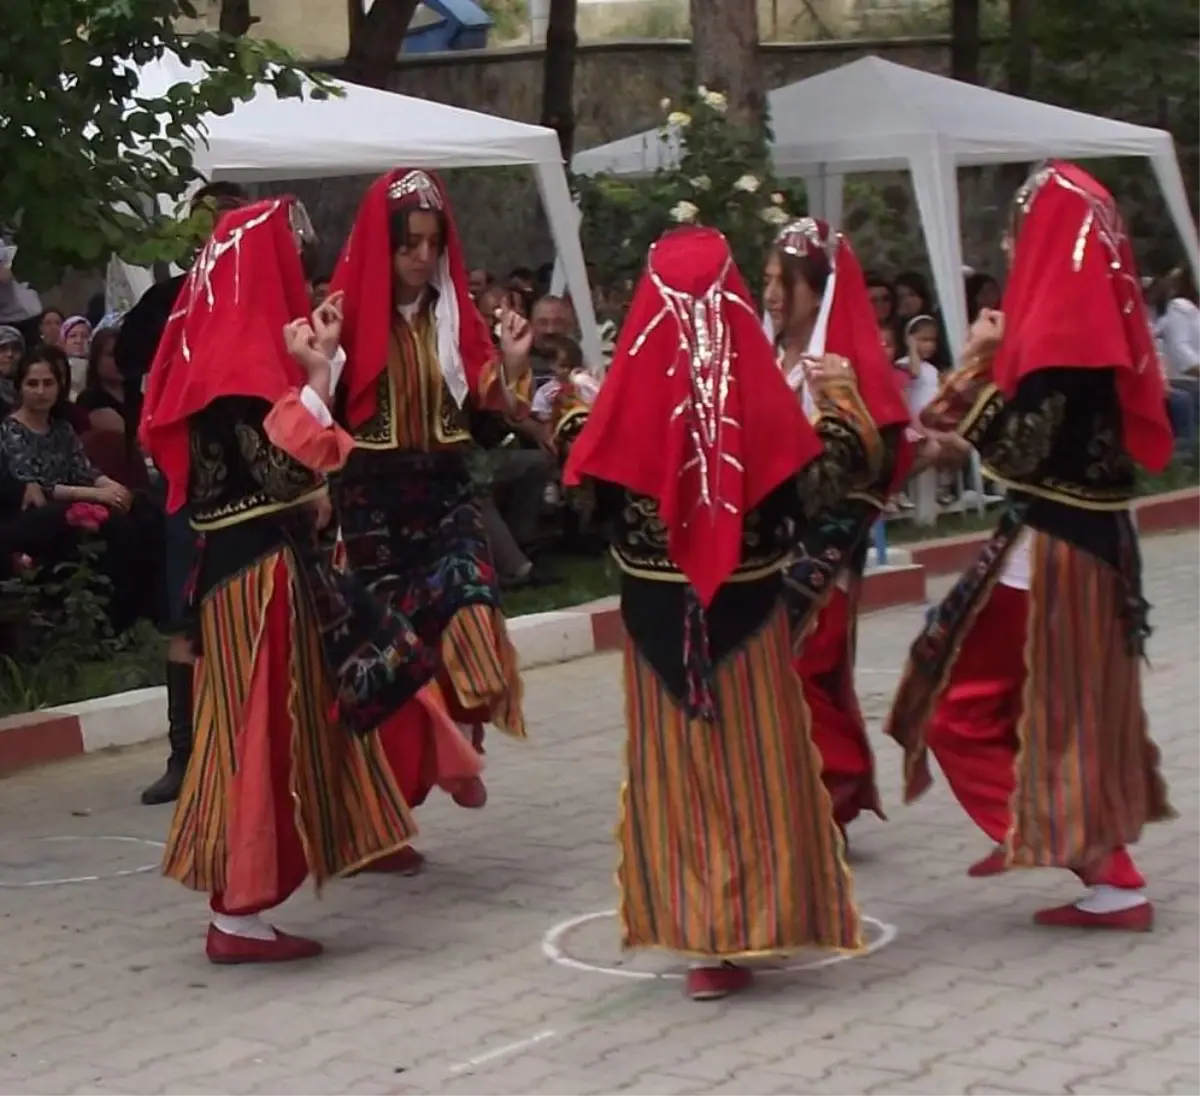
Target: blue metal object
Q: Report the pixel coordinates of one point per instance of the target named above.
(443, 25)
(879, 537)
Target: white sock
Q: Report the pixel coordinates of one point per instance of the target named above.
(1104, 898)
(252, 927)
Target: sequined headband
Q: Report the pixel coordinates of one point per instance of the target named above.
(804, 236)
(420, 184)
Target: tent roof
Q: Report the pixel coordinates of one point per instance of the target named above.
(367, 130)
(873, 115)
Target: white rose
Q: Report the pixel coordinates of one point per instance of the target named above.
(702, 91)
(714, 100)
(684, 212)
(748, 183)
(773, 215)
(664, 104)
(778, 198)
(701, 182)
(679, 118)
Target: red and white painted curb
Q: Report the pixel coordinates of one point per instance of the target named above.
(1165, 513)
(541, 639)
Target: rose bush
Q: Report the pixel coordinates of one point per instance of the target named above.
(716, 174)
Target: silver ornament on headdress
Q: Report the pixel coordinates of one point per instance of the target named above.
(804, 237)
(1101, 222)
(419, 183)
(705, 348)
(301, 222)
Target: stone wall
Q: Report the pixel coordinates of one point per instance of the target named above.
(618, 87)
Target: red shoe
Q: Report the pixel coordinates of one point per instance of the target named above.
(405, 862)
(995, 863)
(223, 948)
(1138, 918)
(714, 983)
(471, 794)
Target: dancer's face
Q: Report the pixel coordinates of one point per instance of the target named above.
(415, 260)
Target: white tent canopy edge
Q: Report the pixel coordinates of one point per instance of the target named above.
(874, 115)
(371, 131)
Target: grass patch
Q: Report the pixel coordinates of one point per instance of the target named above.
(138, 663)
(583, 579)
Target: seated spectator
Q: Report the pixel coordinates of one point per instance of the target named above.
(521, 281)
(110, 439)
(920, 376)
(478, 281)
(77, 344)
(921, 343)
(983, 291)
(563, 403)
(42, 453)
(53, 356)
(12, 346)
(552, 317)
(103, 393)
(1177, 336)
(883, 300)
(50, 327)
(914, 299)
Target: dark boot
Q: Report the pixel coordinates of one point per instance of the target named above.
(179, 733)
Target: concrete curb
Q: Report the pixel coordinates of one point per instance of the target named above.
(1165, 513)
(541, 639)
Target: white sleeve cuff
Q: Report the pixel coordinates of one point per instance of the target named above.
(316, 406)
(335, 368)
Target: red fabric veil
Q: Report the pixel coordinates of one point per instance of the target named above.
(1074, 300)
(225, 337)
(846, 324)
(364, 274)
(694, 411)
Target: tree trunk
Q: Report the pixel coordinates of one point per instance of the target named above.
(558, 74)
(1020, 47)
(725, 53)
(964, 40)
(236, 19)
(375, 40)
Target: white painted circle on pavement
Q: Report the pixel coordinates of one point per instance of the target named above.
(553, 947)
(123, 847)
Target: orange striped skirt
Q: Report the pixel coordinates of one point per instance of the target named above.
(269, 772)
(479, 675)
(728, 847)
(1086, 770)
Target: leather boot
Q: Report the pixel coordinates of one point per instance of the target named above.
(179, 734)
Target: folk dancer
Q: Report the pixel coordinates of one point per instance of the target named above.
(1025, 682)
(816, 299)
(728, 847)
(297, 666)
(137, 344)
(418, 354)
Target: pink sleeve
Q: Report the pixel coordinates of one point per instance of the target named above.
(290, 426)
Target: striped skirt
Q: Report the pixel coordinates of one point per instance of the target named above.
(728, 846)
(1073, 770)
(272, 782)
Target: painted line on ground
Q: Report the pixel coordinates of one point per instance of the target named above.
(122, 874)
(552, 949)
(502, 1052)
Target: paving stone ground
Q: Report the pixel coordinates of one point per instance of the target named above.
(440, 984)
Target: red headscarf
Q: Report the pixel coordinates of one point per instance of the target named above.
(364, 274)
(694, 411)
(846, 324)
(1074, 300)
(225, 337)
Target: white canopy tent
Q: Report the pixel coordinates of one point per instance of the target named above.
(874, 115)
(368, 130)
